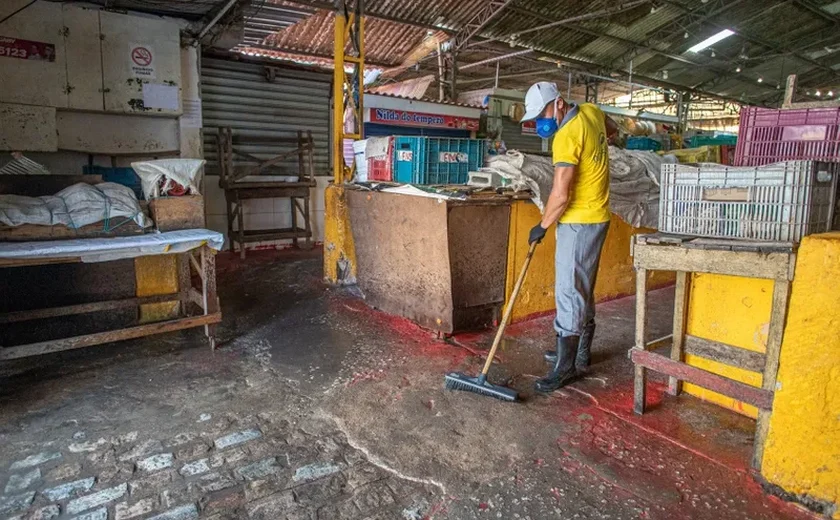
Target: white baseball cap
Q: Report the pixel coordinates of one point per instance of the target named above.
(539, 95)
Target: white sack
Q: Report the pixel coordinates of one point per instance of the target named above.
(186, 172)
(75, 206)
(634, 181)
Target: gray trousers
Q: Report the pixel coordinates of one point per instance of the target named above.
(575, 269)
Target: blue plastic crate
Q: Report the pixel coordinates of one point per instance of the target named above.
(125, 176)
(643, 143)
(436, 160)
(709, 140)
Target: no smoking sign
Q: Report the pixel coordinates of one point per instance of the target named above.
(142, 61)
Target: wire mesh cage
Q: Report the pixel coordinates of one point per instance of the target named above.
(782, 202)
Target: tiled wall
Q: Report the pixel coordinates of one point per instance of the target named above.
(264, 213)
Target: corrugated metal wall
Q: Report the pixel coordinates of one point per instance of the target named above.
(515, 140)
(237, 94)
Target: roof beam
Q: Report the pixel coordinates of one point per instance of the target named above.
(286, 50)
(603, 13)
(594, 68)
(822, 13)
(489, 10)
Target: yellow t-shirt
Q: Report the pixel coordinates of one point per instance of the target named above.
(582, 141)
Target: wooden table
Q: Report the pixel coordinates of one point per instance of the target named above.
(200, 260)
(686, 255)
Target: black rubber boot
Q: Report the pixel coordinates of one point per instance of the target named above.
(584, 352)
(583, 358)
(563, 371)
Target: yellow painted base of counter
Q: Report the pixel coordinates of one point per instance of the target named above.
(731, 310)
(802, 453)
(616, 276)
(155, 275)
(339, 249)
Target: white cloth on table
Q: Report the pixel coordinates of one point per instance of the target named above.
(116, 248)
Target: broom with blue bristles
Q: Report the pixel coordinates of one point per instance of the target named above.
(479, 384)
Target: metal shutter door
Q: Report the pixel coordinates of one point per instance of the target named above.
(515, 140)
(238, 95)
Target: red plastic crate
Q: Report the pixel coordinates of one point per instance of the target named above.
(382, 168)
(772, 135)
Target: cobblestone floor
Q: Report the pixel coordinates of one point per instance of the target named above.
(316, 408)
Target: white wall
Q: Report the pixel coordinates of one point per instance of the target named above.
(264, 213)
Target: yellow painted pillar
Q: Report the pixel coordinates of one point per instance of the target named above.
(339, 248)
(802, 453)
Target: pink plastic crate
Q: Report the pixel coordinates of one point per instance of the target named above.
(772, 135)
(382, 168)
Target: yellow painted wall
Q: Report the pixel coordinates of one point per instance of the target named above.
(157, 275)
(802, 453)
(339, 247)
(616, 276)
(731, 310)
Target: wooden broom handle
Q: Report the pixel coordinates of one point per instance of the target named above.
(509, 309)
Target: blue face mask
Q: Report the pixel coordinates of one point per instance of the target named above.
(546, 127)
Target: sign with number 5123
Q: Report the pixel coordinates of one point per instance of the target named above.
(26, 49)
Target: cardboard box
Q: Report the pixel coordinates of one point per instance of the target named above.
(172, 213)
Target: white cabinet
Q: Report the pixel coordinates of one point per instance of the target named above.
(140, 51)
(83, 56)
(102, 60)
(34, 81)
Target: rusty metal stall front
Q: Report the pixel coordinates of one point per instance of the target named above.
(438, 262)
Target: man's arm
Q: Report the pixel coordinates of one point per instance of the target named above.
(558, 199)
(611, 126)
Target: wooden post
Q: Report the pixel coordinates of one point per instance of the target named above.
(790, 90)
(640, 373)
(184, 282)
(778, 318)
(208, 292)
(680, 316)
(293, 208)
(240, 217)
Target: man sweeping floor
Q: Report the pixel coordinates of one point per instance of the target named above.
(579, 205)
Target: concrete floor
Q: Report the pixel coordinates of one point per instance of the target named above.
(316, 406)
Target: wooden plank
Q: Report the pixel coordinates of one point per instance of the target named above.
(723, 353)
(659, 342)
(260, 235)
(757, 397)
(88, 340)
(270, 190)
(32, 232)
(736, 263)
(778, 318)
(174, 213)
(639, 373)
(26, 262)
(680, 315)
(84, 308)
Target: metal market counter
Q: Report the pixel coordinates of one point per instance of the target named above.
(436, 260)
(449, 264)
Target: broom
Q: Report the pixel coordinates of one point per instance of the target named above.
(479, 384)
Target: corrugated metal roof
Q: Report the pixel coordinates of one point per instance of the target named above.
(267, 18)
(385, 42)
(604, 42)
